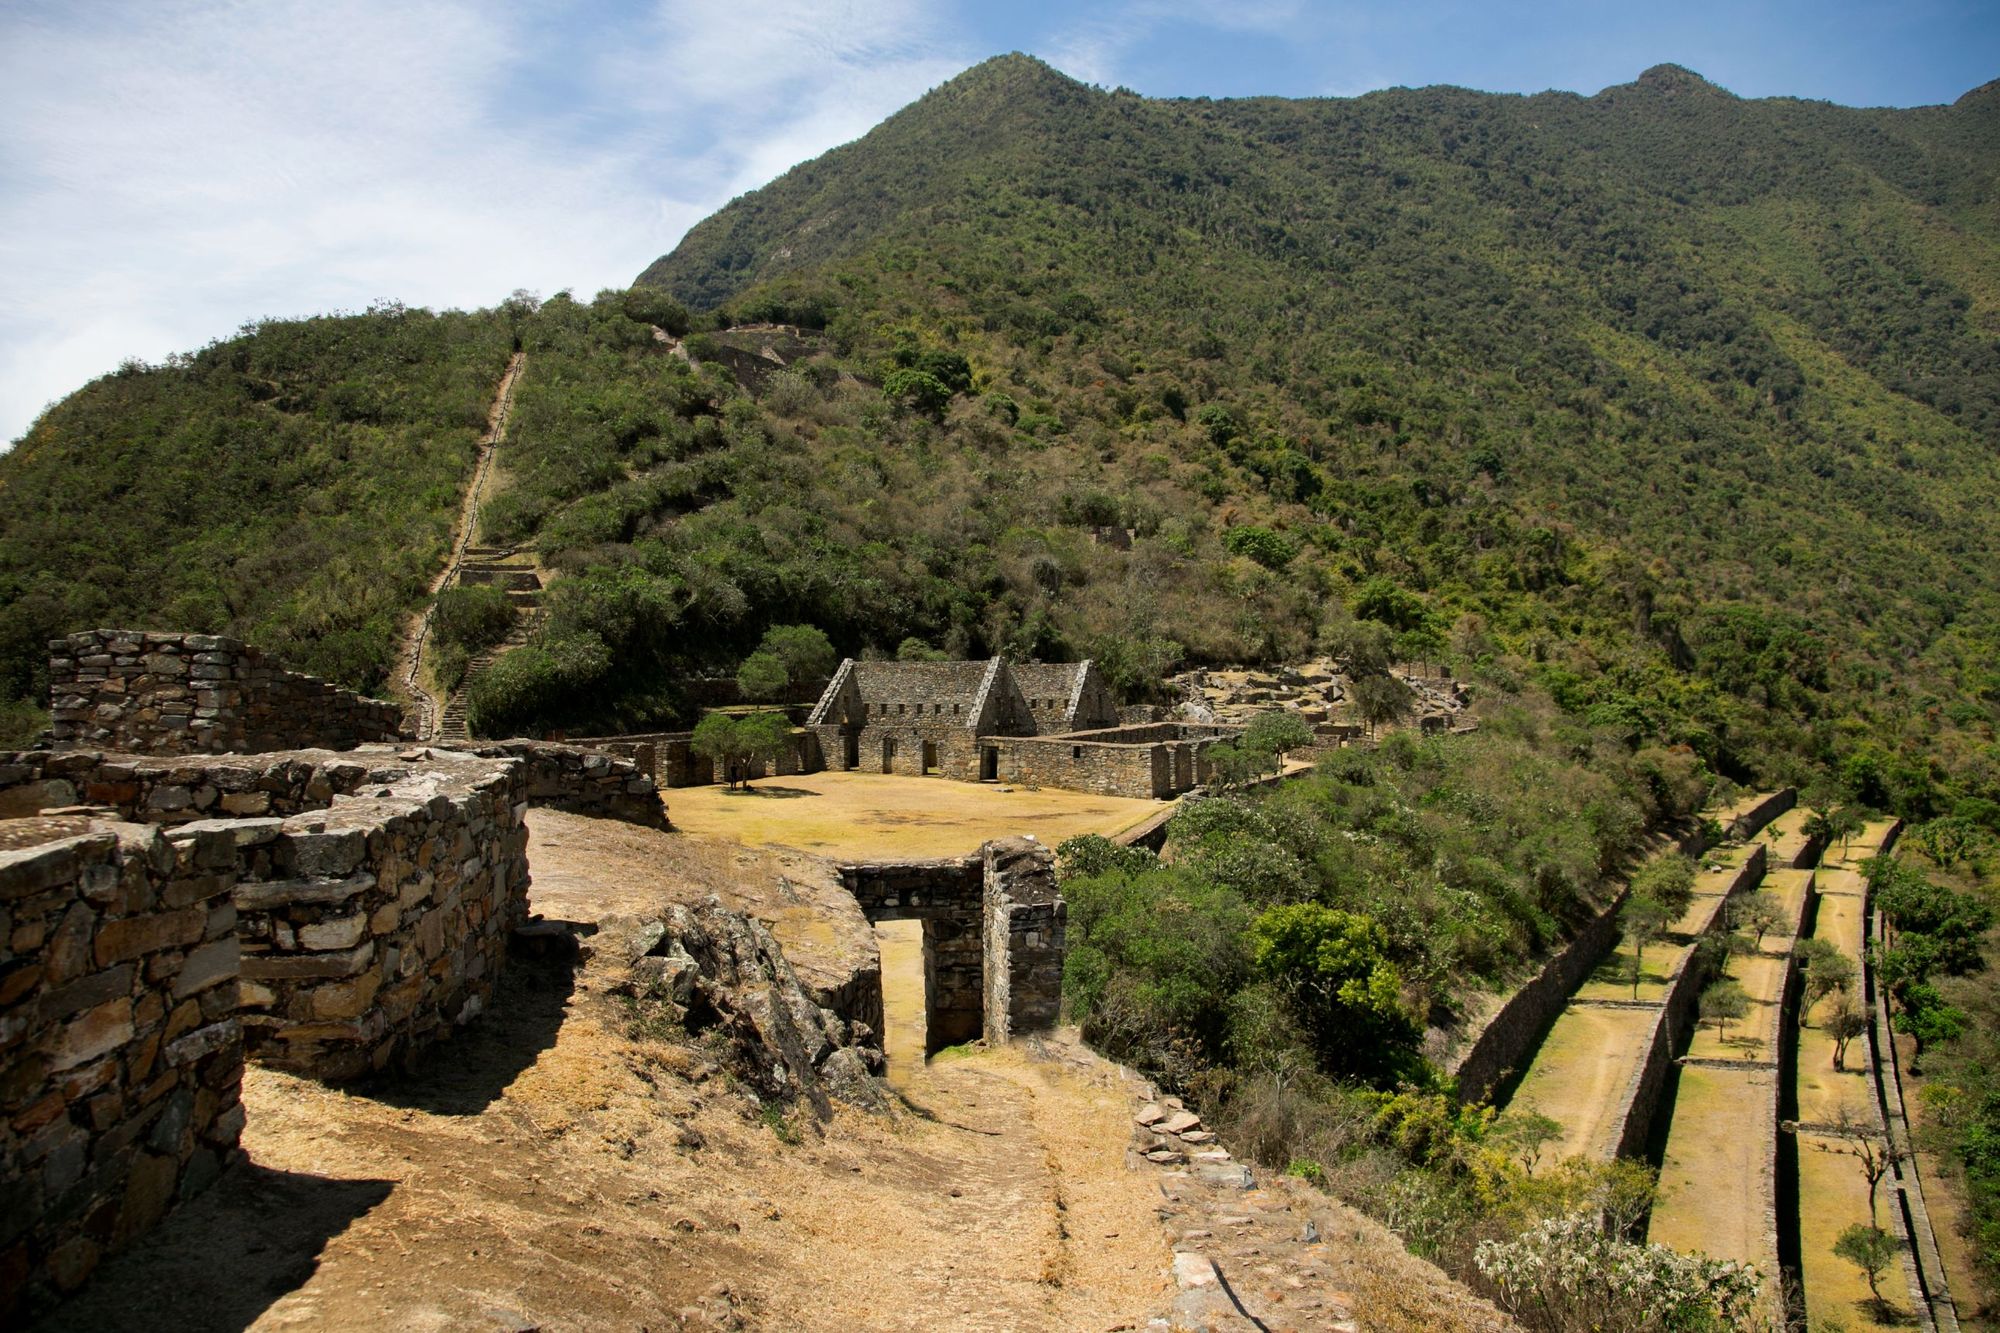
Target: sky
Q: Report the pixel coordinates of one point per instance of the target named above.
(172, 169)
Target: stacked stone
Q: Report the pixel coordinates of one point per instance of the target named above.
(120, 1054)
(584, 781)
(1026, 922)
(175, 791)
(197, 694)
(947, 896)
(374, 928)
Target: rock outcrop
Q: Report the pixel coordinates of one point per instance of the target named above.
(722, 972)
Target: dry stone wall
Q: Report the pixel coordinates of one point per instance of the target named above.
(584, 781)
(372, 929)
(198, 694)
(121, 1056)
(1026, 922)
(176, 790)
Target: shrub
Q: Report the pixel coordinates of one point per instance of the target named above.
(472, 617)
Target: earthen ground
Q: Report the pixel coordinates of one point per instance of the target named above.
(1762, 978)
(861, 815)
(1716, 1189)
(561, 1167)
(1580, 1074)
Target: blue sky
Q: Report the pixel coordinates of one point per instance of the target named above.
(173, 168)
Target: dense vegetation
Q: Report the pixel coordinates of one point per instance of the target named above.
(292, 485)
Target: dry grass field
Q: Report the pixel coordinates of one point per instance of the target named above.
(873, 814)
(1717, 1193)
(1581, 1072)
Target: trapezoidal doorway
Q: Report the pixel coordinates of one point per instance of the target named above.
(930, 759)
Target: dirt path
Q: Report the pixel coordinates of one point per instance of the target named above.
(426, 707)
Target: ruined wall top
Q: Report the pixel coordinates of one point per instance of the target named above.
(149, 692)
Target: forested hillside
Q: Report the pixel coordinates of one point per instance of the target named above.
(1678, 407)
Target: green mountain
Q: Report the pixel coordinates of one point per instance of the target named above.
(1678, 406)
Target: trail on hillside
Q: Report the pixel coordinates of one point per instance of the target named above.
(427, 708)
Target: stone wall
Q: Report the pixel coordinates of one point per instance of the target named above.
(583, 781)
(148, 789)
(946, 896)
(994, 936)
(1153, 761)
(121, 1056)
(1743, 820)
(1676, 1017)
(1025, 927)
(374, 927)
(156, 693)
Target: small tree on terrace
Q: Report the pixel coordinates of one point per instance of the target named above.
(1870, 1249)
(1827, 970)
(1644, 919)
(1722, 1003)
(1380, 699)
(1277, 733)
(1844, 1022)
(1759, 913)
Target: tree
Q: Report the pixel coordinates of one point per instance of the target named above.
(1644, 919)
(919, 391)
(1668, 881)
(1380, 699)
(1277, 733)
(1528, 1133)
(1844, 1024)
(764, 736)
(1875, 1155)
(1827, 970)
(1759, 913)
(1930, 1019)
(652, 305)
(1870, 1249)
(1334, 971)
(1722, 1003)
(762, 676)
(718, 737)
(1234, 764)
(804, 649)
(914, 649)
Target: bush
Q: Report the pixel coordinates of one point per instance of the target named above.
(472, 617)
(1267, 548)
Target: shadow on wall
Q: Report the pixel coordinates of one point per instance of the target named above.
(259, 1234)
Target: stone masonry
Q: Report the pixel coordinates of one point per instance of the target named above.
(994, 936)
(121, 1056)
(197, 694)
(372, 928)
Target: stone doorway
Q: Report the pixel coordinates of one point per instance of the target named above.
(989, 763)
(850, 751)
(930, 759)
(888, 754)
(905, 998)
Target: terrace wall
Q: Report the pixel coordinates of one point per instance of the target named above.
(160, 693)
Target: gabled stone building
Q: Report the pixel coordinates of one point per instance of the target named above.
(941, 717)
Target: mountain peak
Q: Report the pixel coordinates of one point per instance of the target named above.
(1677, 81)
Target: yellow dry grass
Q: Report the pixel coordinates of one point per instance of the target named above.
(1746, 1038)
(1581, 1072)
(1833, 1195)
(1717, 1193)
(875, 814)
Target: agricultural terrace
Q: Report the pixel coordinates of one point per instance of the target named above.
(850, 815)
(1585, 1066)
(1833, 1193)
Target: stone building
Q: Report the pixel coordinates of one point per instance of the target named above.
(938, 717)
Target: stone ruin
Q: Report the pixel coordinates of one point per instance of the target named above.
(155, 693)
(1319, 691)
(163, 916)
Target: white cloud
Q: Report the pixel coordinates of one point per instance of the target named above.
(170, 170)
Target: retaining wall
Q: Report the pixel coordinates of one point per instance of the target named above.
(1641, 1101)
(121, 1057)
(151, 789)
(161, 693)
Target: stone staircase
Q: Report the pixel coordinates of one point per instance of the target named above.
(514, 571)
